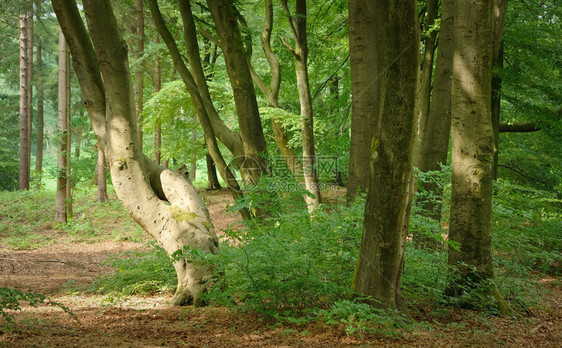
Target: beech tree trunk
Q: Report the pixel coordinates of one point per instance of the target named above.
(157, 84)
(141, 184)
(61, 211)
(24, 167)
(363, 38)
(473, 150)
(139, 71)
(297, 24)
(101, 177)
(249, 122)
(435, 130)
(212, 178)
(381, 257)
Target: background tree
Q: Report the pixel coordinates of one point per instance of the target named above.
(24, 149)
(63, 176)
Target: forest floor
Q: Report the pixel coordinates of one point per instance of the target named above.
(137, 321)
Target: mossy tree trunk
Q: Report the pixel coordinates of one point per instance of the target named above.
(144, 187)
(381, 257)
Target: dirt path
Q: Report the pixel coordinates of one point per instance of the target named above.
(149, 322)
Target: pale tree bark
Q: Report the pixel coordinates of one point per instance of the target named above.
(101, 177)
(61, 212)
(40, 104)
(472, 149)
(139, 69)
(140, 183)
(68, 152)
(24, 167)
(297, 23)
(249, 122)
(364, 89)
(435, 130)
(381, 257)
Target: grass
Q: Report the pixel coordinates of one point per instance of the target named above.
(26, 220)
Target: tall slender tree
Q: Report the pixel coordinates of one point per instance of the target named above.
(297, 23)
(62, 198)
(24, 167)
(139, 70)
(381, 257)
(40, 102)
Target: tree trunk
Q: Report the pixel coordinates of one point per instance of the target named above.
(30, 82)
(61, 213)
(24, 167)
(140, 183)
(193, 167)
(157, 84)
(364, 89)
(473, 149)
(381, 257)
(238, 70)
(433, 139)
(68, 153)
(101, 177)
(498, 16)
(139, 71)
(300, 53)
(212, 174)
(40, 108)
(201, 104)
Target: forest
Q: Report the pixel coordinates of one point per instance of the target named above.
(218, 173)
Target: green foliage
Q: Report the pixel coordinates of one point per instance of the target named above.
(9, 132)
(10, 302)
(289, 267)
(141, 272)
(361, 318)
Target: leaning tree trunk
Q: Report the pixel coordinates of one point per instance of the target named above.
(381, 257)
(24, 167)
(473, 151)
(237, 67)
(364, 90)
(142, 185)
(300, 53)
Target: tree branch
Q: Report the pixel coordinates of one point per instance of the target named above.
(519, 128)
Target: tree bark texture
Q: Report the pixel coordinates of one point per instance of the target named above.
(141, 184)
(363, 38)
(29, 81)
(61, 212)
(472, 145)
(101, 177)
(381, 257)
(297, 23)
(24, 166)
